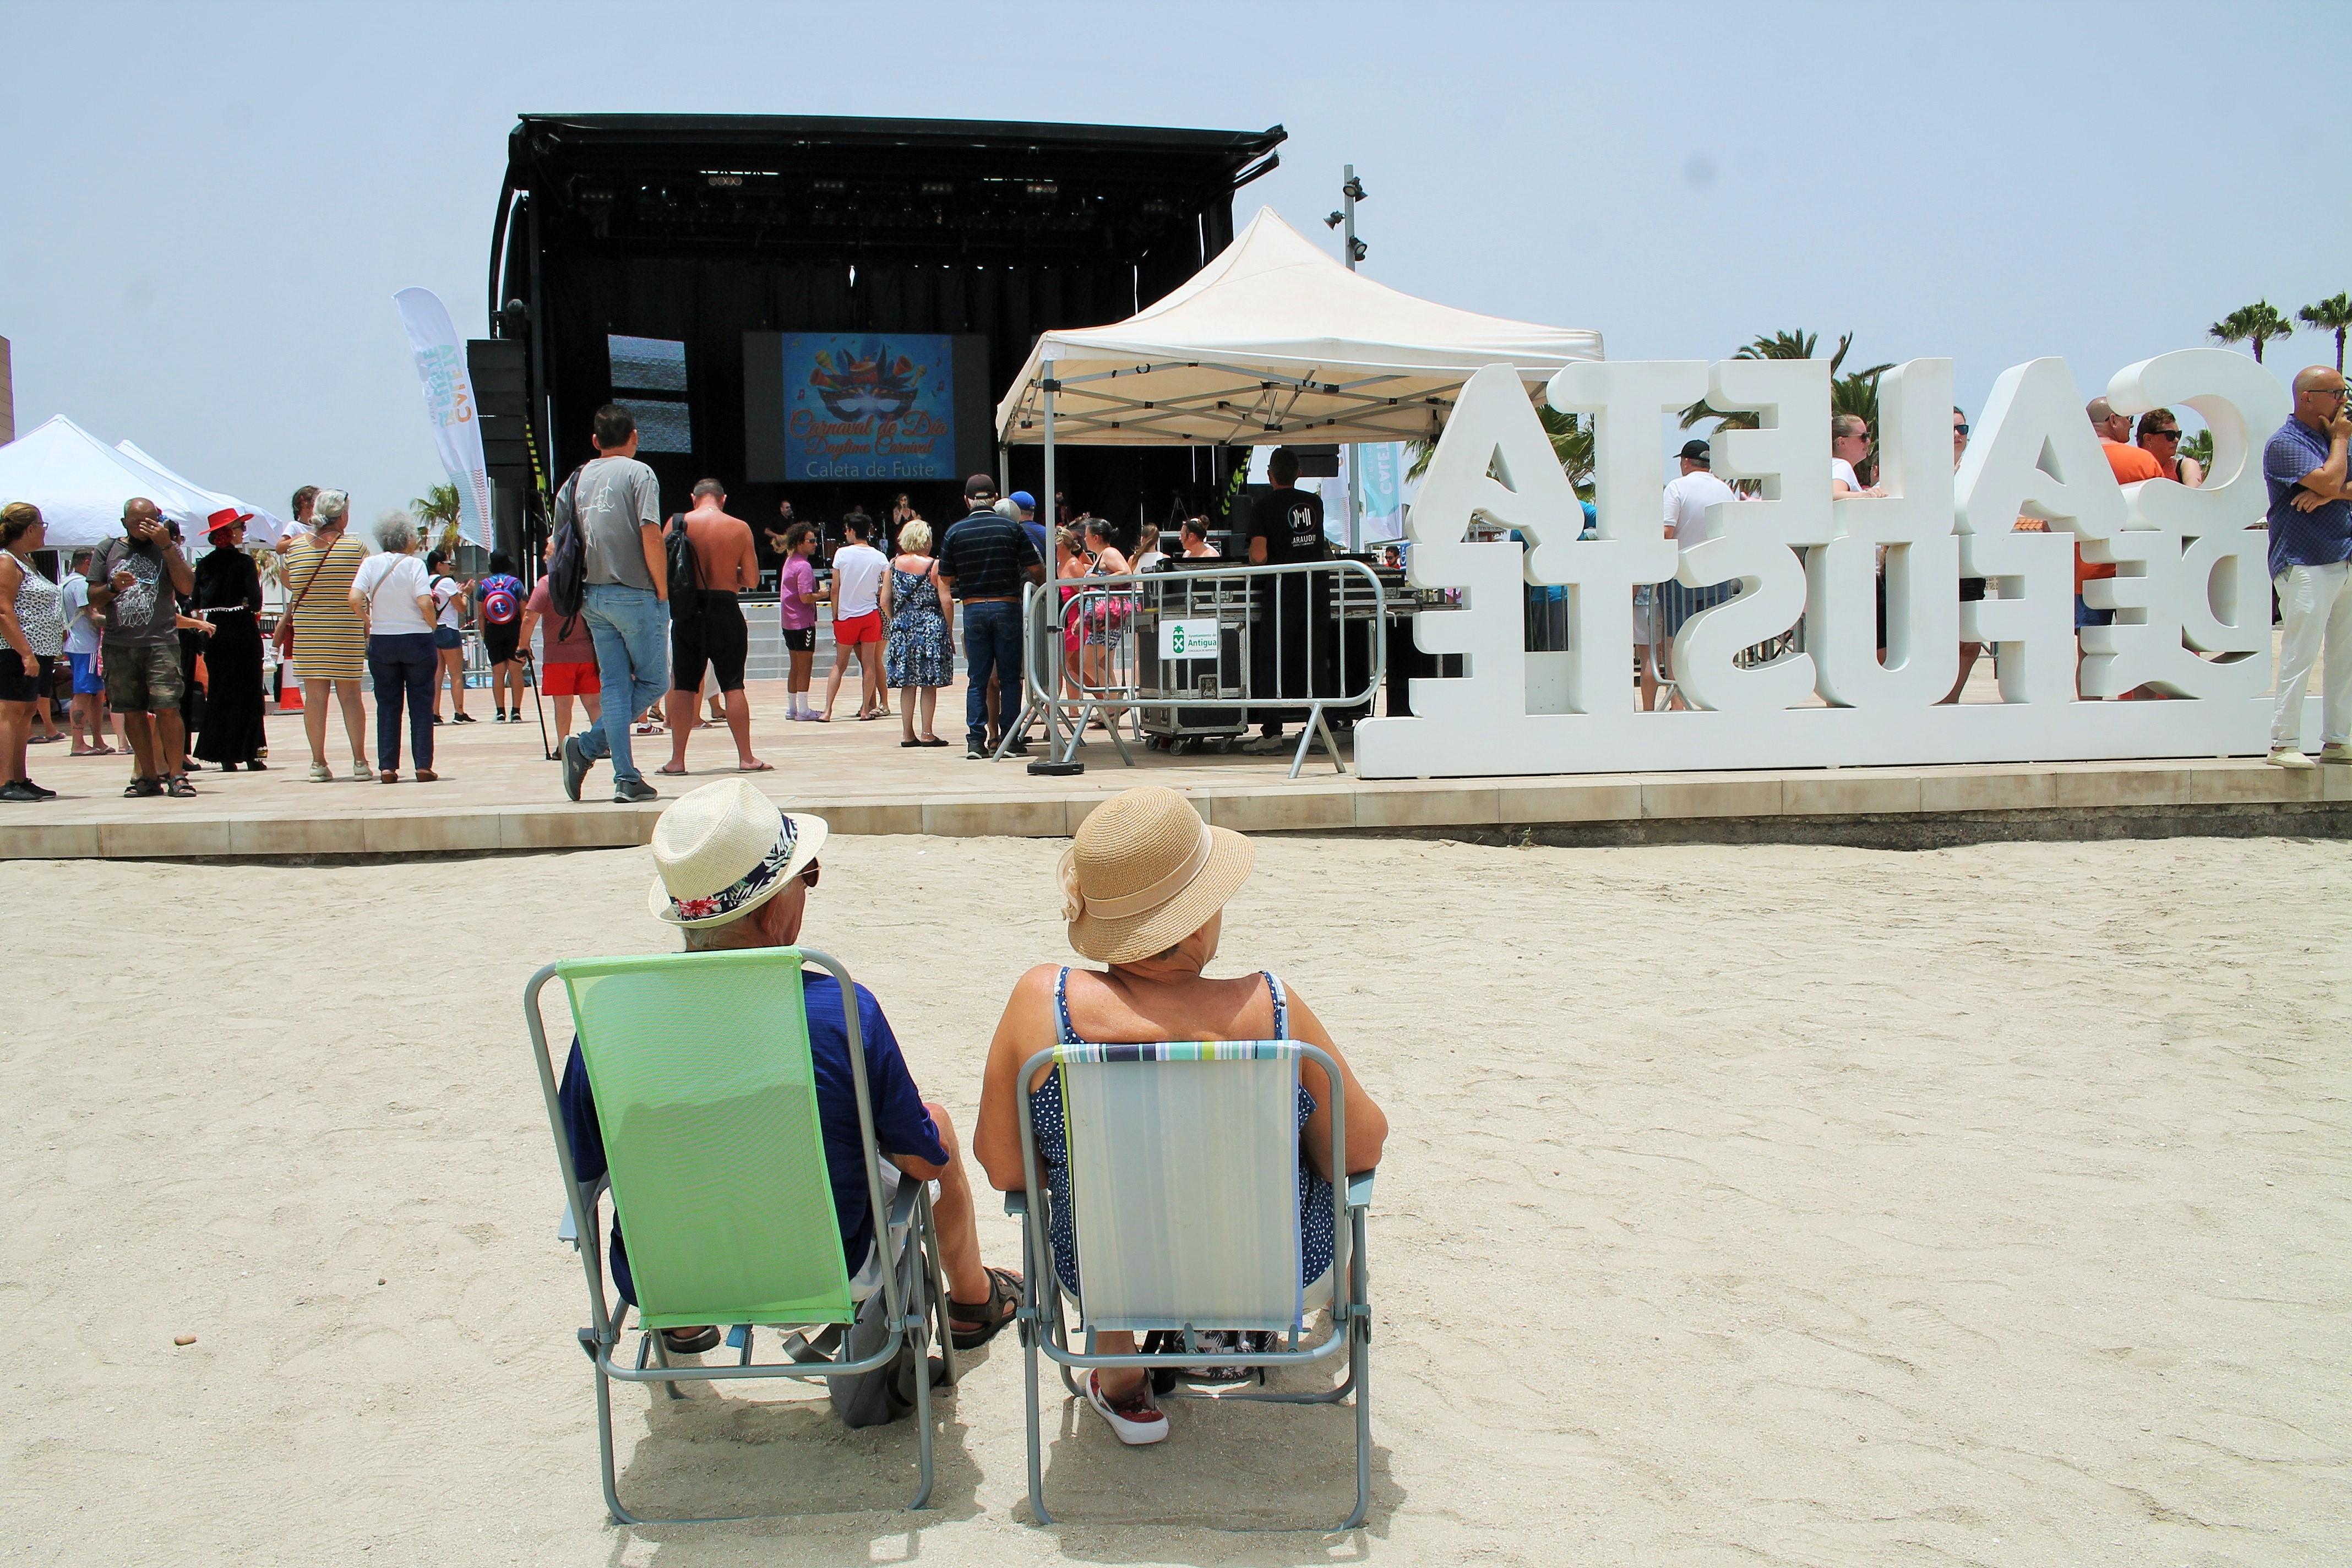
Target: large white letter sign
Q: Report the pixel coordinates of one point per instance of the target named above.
(1912, 524)
(1495, 463)
(2034, 455)
(2191, 577)
(2192, 617)
(1754, 543)
(1630, 544)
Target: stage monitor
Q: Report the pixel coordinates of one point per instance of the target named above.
(902, 407)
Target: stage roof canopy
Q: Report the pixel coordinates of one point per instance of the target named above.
(1274, 341)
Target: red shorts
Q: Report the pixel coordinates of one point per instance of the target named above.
(867, 628)
(570, 680)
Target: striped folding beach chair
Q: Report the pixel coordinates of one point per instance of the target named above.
(706, 1098)
(1183, 1193)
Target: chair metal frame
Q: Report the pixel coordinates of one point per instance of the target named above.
(905, 1235)
(1044, 1327)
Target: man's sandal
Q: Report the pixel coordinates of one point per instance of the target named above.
(990, 1316)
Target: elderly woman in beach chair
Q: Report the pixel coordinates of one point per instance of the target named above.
(736, 873)
(1144, 885)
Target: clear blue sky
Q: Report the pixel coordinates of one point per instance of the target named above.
(207, 207)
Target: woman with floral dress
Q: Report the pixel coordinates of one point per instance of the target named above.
(920, 656)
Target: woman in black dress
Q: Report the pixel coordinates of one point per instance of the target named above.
(228, 593)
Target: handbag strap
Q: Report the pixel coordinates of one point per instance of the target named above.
(313, 577)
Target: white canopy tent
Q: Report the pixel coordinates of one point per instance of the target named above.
(81, 486)
(266, 527)
(1272, 343)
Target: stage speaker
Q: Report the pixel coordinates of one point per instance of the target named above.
(502, 402)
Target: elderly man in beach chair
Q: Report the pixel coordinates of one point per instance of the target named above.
(736, 873)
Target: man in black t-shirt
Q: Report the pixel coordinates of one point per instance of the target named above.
(983, 560)
(1285, 527)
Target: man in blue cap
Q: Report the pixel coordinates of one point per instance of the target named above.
(1025, 514)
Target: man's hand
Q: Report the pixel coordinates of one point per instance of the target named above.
(2340, 428)
(121, 580)
(2308, 501)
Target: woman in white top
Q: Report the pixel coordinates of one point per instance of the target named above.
(394, 598)
(1849, 445)
(448, 635)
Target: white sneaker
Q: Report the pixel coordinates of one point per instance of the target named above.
(1269, 746)
(1136, 1423)
(361, 771)
(2335, 752)
(322, 774)
(2290, 758)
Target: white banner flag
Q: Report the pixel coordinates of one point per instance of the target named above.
(449, 405)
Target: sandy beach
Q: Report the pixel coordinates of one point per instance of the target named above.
(1760, 1204)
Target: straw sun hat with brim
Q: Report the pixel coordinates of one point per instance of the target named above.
(1144, 872)
(723, 850)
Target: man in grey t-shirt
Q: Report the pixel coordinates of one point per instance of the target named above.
(616, 507)
(131, 584)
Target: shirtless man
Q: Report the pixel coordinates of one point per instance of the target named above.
(728, 563)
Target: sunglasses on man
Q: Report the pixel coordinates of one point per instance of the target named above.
(2165, 435)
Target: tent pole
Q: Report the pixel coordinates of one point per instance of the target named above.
(1051, 514)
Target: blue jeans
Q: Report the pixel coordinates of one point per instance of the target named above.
(631, 630)
(402, 664)
(991, 641)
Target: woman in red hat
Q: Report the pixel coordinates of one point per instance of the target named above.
(228, 595)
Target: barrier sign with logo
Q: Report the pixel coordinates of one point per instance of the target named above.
(1189, 639)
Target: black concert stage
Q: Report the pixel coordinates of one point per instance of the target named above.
(827, 311)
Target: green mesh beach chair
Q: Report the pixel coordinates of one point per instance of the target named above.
(707, 1101)
(1184, 1209)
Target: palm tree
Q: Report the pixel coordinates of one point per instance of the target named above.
(2330, 316)
(1571, 443)
(1855, 393)
(2256, 323)
(437, 511)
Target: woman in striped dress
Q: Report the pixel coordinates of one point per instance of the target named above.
(330, 641)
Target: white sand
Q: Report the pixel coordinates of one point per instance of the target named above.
(1743, 1205)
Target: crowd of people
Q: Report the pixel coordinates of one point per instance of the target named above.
(171, 654)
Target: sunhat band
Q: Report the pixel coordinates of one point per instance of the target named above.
(1158, 893)
(744, 890)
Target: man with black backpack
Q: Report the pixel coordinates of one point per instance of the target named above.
(610, 521)
(711, 559)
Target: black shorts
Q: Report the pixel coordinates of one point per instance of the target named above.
(713, 635)
(498, 642)
(800, 639)
(18, 684)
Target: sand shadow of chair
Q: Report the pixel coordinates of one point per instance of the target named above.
(706, 1100)
(1184, 1218)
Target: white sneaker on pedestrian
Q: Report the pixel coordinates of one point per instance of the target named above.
(2335, 752)
(1268, 746)
(2290, 758)
(1136, 1421)
(322, 774)
(361, 771)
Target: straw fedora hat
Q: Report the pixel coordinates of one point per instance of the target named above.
(723, 850)
(1144, 872)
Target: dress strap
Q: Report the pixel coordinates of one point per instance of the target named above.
(1064, 1033)
(1281, 1005)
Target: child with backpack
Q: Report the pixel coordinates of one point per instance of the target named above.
(498, 604)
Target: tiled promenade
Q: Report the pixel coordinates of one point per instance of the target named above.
(499, 793)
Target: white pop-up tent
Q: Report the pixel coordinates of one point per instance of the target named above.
(1272, 343)
(82, 485)
(266, 526)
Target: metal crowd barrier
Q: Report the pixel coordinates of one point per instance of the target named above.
(1197, 652)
